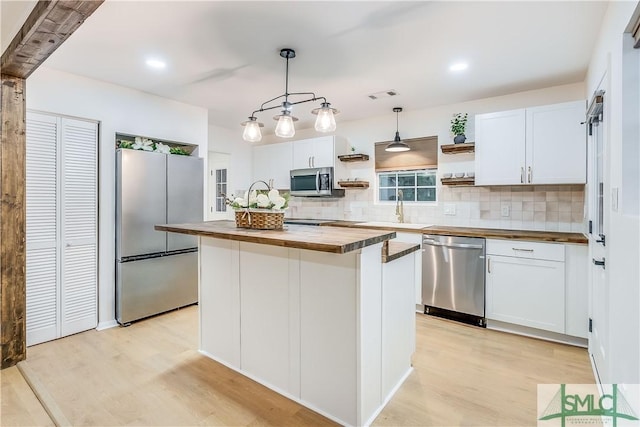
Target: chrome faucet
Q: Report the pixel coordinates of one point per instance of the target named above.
(399, 207)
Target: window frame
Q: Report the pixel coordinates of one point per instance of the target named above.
(433, 171)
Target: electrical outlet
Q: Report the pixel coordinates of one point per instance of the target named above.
(449, 209)
(505, 210)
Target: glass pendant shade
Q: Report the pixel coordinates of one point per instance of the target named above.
(285, 128)
(252, 131)
(325, 122)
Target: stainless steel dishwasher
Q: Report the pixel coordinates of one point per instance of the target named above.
(453, 281)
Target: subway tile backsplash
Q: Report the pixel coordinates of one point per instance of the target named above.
(547, 207)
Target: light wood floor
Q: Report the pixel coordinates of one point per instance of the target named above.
(149, 374)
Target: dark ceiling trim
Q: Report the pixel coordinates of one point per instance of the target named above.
(50, 23)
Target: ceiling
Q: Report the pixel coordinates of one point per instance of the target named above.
(223, 55)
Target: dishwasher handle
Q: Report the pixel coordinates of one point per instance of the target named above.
(451, 245)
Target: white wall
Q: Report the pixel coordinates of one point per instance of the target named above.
(230, 141)
(472, 204)
(118, 109)
(622, 230)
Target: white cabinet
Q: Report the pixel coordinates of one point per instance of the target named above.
(314, 152)
(500, 148)
(577, 292)
(415, 238)
(539, 145)
(273, 162)
(526, 284)
(538, 285)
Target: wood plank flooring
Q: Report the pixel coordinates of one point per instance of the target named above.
(151, 374)
(19, 407)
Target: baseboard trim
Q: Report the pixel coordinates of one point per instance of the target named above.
(537, 333)
(106, 325)
(50, 406)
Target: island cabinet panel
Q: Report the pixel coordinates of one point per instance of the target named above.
(398, 321)
(220, 300)
(328, 334)
(311, 325)
(368, 348)
(265, 304)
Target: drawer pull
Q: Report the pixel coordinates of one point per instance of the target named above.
(599, 262)
(522, 250)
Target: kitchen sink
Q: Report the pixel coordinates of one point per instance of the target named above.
(393, 225)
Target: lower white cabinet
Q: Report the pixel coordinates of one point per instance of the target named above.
(538, 285)
(525, 291)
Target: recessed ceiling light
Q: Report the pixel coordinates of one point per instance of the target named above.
(156, 63)
(459, 66)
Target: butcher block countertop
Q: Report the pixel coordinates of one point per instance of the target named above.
(393, 250)
(496, 233)
(489, 233)
(323, 239)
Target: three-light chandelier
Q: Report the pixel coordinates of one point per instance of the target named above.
(325, 122)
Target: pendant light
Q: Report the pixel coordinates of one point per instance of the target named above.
(252, 130)
(325, 122)
(397, 145)
(285, 128)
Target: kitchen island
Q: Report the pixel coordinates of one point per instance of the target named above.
(318, 314)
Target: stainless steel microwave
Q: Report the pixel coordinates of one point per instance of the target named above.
(313, 182)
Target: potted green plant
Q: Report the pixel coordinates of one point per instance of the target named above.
(458, 126)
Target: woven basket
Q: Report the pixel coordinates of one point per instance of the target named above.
(259, 219)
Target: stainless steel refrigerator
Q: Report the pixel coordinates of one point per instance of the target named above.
(156, 271)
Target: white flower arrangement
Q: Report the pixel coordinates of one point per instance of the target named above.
(162, 148)
(146, 144)
(259, 200)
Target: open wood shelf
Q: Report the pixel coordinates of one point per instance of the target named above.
(354, 184)
(465, 147)
(354, 157)
(458, 181)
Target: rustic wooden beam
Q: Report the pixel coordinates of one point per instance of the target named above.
(13, 303)
(47, 27)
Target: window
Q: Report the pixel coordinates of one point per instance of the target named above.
(221, 190)
(413, 172)
(416, 185)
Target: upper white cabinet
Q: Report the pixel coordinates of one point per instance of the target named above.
(314, 153)
(539, 145)
(273, 162)
(500, 148)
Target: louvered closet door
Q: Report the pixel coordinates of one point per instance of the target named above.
(79, 226)
(42, 230)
